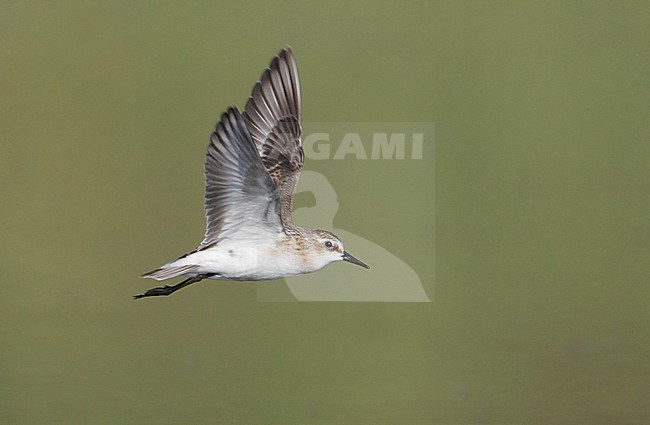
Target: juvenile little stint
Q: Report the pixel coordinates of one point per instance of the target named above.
(251, 171)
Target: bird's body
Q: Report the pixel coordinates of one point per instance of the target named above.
(252, 168)
(259, 259)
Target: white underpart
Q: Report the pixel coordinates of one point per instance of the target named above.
(262, 260)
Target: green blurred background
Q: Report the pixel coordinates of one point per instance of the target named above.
(541, 214)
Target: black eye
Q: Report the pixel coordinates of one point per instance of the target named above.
(328, 244)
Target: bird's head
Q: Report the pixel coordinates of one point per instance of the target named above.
(327, 248)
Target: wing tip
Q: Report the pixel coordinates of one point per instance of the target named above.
(286, 50)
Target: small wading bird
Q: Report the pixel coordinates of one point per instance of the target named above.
(251, 172)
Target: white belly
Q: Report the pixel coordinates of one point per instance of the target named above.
(236, 262)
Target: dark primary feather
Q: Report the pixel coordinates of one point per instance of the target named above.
(273, 117)
(240, 197)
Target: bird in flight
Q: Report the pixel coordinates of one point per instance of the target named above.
(252, 168)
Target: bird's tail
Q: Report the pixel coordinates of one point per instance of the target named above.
(169, 272)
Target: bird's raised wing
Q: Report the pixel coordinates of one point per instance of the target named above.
(273, 117)
(240, 197)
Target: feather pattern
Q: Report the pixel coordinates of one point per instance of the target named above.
(241, 200)
(273, 117)
(169, 272)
